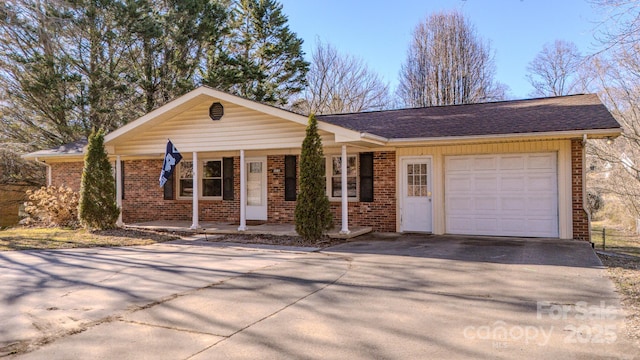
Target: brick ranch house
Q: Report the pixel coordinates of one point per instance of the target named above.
(510, 168)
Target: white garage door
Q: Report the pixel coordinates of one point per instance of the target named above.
(504, 195)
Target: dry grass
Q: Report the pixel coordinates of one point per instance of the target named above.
(617, 239)
(20, 238)
(623, 267)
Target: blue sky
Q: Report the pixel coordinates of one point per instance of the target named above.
(379, 31)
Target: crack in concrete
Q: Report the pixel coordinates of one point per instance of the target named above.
(30, 345)
(350, 262)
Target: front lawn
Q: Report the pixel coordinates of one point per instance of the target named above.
(20, 238)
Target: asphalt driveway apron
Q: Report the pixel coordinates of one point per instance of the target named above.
(411, 297)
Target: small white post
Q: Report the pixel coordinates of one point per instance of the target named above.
(49, 179)
(119, 222)
(243, 193)
(195, 219)
(344, 193)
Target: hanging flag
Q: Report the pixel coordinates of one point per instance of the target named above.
(171, 158)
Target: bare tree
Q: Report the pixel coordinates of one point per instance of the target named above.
(448, 63)
(617, 72)
(555, 70)
(340, 83)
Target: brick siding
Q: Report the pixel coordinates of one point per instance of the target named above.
(144, 199)
(67, 174)
(379, 214)
(580, 218)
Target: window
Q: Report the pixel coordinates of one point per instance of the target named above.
(417, 180)
(352, 176)
(186, 178)
(212, 178)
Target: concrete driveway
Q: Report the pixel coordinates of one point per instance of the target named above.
(404, 298)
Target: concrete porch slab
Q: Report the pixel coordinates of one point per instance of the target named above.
(253, 228)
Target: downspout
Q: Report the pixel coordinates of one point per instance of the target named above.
(585, 200)
(48, 170)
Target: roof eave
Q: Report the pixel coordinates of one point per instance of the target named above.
(591, 134)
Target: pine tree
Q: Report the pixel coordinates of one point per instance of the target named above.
(98, 208)
(262, 59)
(312, 215)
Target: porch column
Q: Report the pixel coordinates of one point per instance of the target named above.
(344, 192)
(119, 222)
(243, 193)
(195, 184)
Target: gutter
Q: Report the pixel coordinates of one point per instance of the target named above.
(600, 133)
(584, 186)
(48, 170)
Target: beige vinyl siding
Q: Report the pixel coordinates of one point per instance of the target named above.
(239, 128)
(562, 147)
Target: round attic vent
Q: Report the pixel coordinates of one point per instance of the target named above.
(216, 111)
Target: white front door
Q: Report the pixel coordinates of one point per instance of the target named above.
(415, 188)
(256, 188)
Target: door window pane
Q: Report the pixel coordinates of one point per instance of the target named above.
(417, 180)
(254, 183)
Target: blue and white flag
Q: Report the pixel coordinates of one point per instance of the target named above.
(171, 158)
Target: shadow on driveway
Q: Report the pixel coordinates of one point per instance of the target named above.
(499, 250)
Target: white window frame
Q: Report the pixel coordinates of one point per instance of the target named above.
(329, 176)
(177, 178)
(200, 179)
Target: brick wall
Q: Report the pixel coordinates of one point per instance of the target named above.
(381, 213)
(144, 198)
(67, 174)
(580, 218)
(279, 211)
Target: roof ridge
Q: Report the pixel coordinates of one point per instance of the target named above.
(457, 105)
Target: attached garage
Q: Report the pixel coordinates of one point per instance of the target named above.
(502, 194)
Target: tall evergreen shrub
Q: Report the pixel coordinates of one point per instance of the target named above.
(98, 208)
(312, 215)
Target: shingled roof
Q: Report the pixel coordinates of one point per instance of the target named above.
(544, 115)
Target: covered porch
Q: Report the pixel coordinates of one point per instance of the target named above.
(252, 228)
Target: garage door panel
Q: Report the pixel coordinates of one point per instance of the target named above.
(502, 194)
(512, 162)
(459, 164)
(486, 183)
(486, 203)
(513, 203)
(512, 183)
(542, 161)
(484, 163)
(460, 183)
(460, 225)
(541, 182)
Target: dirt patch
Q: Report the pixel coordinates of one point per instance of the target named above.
(280, 240)
(625, 273)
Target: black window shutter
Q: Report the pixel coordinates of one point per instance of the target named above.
(168, 188)
(227, 178)
(290, 178)
(366, 177)
(122, 180)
